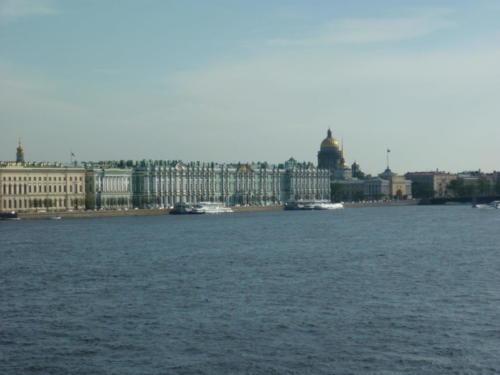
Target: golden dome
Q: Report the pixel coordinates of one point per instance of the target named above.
(329, 141)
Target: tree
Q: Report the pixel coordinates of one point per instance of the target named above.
(335, 192)
(483, 186)
(497, 187)
(422, 191)
(89, 203)
(456, 187)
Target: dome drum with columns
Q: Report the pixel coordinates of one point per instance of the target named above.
(331, 157)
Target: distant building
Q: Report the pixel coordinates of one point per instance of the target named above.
(108, 188)
(377, 188)
(40, 186)
(400, 187)
(430, 184)
(331, 158)
(164, 183)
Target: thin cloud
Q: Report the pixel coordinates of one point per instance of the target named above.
(373, 30)
(15, 9)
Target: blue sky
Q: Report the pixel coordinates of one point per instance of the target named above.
(248, 81)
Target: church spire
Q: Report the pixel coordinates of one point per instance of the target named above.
(19, 152)
(329, 133)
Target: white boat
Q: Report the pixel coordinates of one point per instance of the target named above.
(313, 205)
(293, 206)
(328, 206)
(54, 217)
(494, 204)
(210, 208)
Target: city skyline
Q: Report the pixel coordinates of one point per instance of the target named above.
(228, 81)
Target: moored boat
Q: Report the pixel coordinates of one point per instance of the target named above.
(328, 206)
(181, 208)
(210, 208)
(494, 204)
(9, 216)
(293, 206)
(312, 205)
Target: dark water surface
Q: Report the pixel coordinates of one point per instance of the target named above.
(393, 290)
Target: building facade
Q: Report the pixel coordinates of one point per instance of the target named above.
(431, 184)
(165, 183)
(108, 188)
(41, 186)
(399, 186)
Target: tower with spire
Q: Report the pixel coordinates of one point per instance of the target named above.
(19, 152)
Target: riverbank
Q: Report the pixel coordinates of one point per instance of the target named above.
(409, 202)
(120, 213)
(155, 212)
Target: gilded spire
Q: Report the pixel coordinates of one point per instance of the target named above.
(20, 152)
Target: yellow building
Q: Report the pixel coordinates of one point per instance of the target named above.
(40, 186)
(400, 187)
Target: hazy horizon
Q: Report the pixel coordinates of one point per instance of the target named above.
(230, 81)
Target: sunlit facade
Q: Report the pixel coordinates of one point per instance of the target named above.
(164, 183)
(41, 186)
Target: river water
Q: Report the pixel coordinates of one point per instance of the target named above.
(387, 290)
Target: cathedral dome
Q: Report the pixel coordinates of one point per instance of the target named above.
(329, 142)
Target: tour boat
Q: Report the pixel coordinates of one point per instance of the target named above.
(312, 205)
(210, 208)
(328, 206)
(494, 204)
